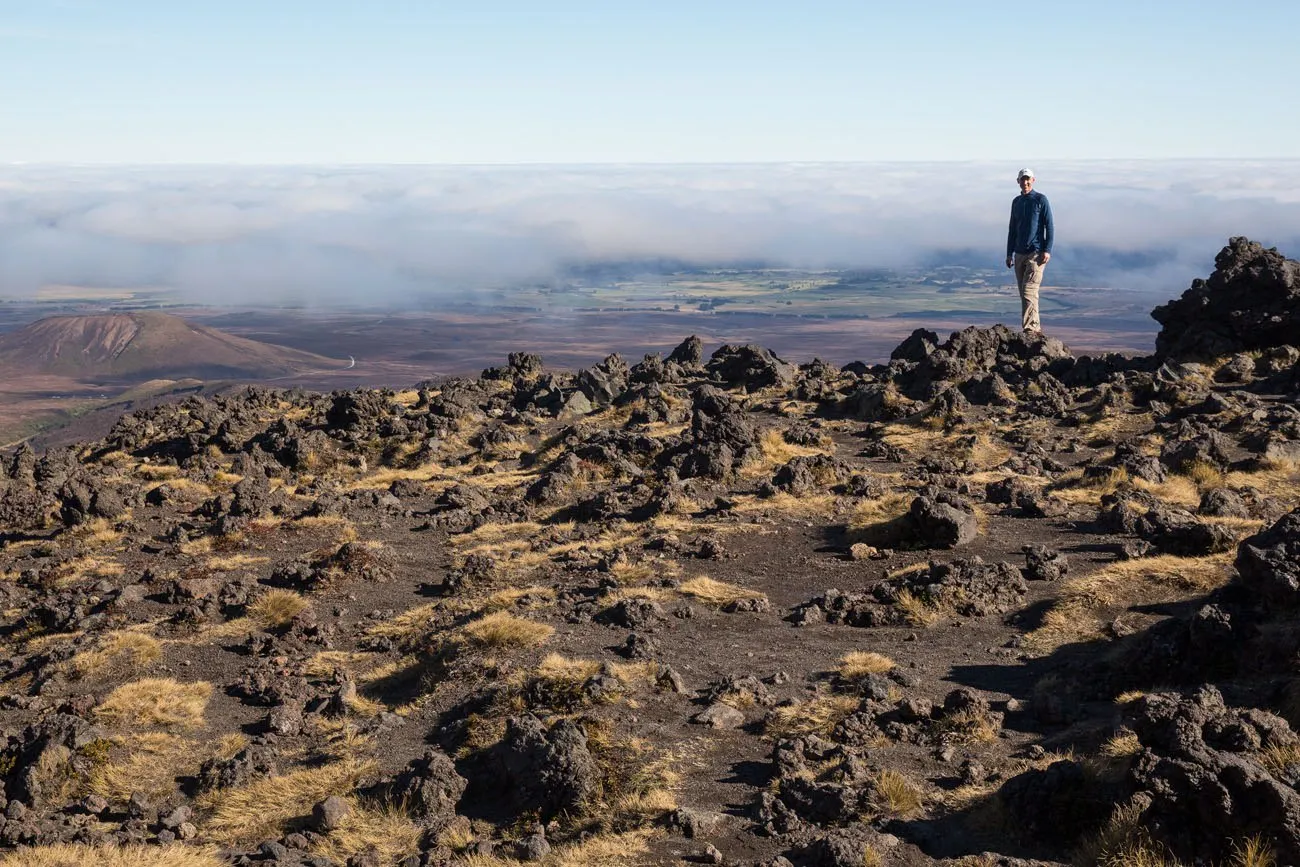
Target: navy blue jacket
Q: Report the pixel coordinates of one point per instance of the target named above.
(1031, 224)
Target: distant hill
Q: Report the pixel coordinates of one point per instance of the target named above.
(146, 345)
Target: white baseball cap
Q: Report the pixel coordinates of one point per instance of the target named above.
(1025, 173)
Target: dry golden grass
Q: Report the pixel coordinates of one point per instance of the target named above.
(774, 451)
(116, 652)
(276, 609)
(915, 610)
(383, 830)
(970, 726)
(895, 795)
(259, 810)
(871, 513)
(600, 850)
(157, 472)
(234, 561)
(492, 533)
(1121, 745)
(858, 664)
(818, 715)
(197, 547)
(151, 762)
(555, 667)
(912, 438)
(86, 569)
(501, 630)
(1123, 842)
(195, 490)
(152, 702)
(326, 662)
(716, 593)
(786, 504)
(1176, 490)
(515, 597)
(1078, 613)
(410, 628)
(383, 478)
(1253, 852)
(130, 855)
(1280, 757)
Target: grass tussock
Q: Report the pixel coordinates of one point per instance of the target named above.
(501, 630)
(857, 664)
(1176, 490)
(410, 629)
(970, 726)
(156, 702)
(916, 611)
(1253, 852)
(150, 763)
(260, 809)
(1123, 841)
(1086, 601)
(774, 451)
(276, 609)
(1122, 745)
(377, 829)
(516, 597)
(893, 794)
(817, 716)
(103, 855)
(1279, 758)
(783, 503)
(882, 510)
(117, 653)
(717, 593)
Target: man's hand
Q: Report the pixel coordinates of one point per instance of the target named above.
(1011, 262)
(1044, 257)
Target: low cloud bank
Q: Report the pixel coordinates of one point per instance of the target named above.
(417, 235)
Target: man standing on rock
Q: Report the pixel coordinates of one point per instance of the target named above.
(1029, 246)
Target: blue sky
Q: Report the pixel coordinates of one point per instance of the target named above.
(289, 82)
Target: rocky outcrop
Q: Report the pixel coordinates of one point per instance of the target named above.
(1250, 302)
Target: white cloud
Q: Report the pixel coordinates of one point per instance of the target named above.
(228, 235)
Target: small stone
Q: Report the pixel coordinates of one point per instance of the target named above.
(328, 815)
(187, 831)
(273, 850)
(94, 804)
(863, 551)
(165, 837)
(720, 716)
(534, 847)
(711, 855)
(177, 817)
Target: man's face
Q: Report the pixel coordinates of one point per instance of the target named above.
(1026, 184)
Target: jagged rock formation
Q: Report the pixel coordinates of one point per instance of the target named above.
(1250, 302)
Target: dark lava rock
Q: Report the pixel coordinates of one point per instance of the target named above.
(942, 525)
(1269, 562)
(551, 771)
(1044, 564)
(430, 788)
(1202, 767)
(750, 365)
(1251, 301)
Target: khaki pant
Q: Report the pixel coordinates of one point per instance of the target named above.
(1029, 275)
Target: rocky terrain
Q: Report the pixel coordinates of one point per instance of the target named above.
(988, 603)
